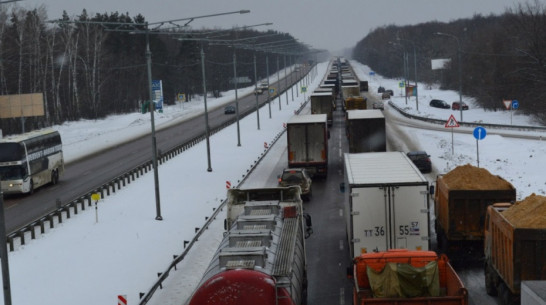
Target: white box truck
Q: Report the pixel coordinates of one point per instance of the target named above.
(307, 143)
(387, 203)
(366, 131)
(323, 103)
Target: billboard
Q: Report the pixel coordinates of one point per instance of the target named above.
(21, 105)
(157, 91)
(441, 63)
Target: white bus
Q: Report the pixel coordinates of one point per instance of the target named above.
(30, 160)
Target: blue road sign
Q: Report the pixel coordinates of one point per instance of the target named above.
(372, 73)
(479, 133)
(515, 104)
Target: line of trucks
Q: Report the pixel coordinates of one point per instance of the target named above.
(307, 135)
(387, 210)
(388, 228)
(477, 217)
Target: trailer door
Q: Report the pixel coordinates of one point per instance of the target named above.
(315, 143)
(408, 208)
(369, 219)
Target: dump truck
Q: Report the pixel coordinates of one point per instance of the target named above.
(350, 91)
(323, 103)
(355, 103)
(307, 143)
(460, 204)
(514, 246)
(402, 277)
(366, 131)
(387, 203)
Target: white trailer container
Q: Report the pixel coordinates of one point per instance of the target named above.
(366, 131)
(307, 143)
(533, 292)
(387, 204)
(323, 103)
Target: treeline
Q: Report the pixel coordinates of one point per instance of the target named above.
(93, 66)
(501, 57)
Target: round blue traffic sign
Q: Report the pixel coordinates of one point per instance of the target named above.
(515, 104)
(479, 133)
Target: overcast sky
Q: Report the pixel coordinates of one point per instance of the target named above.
(323, 24)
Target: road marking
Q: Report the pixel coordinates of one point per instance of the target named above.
(342, 296)
(340, 212)
(341, 245)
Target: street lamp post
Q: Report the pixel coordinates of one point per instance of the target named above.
(278, 83)
(415, 70)
(256, 92)
(267, 73)
(405, 68)
(460, 71)
(236, 98)
(285, 80)
(207, 129)
(154, 141)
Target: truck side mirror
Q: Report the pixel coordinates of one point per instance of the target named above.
(431, 190)
(342, 187)
(328, 134)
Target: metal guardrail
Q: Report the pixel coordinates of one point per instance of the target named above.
(145, 297)
(467, 124)
(39, 225)
(65, 211)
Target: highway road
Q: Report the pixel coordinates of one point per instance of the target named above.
(87, 174)
(327, 249)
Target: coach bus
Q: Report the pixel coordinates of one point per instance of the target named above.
(30, 160)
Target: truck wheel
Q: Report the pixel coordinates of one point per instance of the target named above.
(441, 238)
(490, 287)
(31, 188)
(505, 295)
(508, 298)
(54, 177)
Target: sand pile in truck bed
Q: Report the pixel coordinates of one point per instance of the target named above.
(468, 177)
(528, 213)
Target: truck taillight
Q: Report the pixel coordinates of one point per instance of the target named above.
(290, 212)
(291, 156)
(323, 154)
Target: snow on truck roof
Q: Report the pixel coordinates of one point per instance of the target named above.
(382, 168)
(307, 118)
(322, 93)
(365, 114)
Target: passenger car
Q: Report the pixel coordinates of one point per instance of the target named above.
(457, 106)
(380, 90)
(230, 109)
(421, 159)
(297, 176)
(385, 95)
(439, 104)
(261, 88)
(390, 92)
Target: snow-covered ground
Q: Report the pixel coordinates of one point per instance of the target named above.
(89, 262)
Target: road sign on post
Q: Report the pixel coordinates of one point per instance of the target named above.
(507, 104)
(479, 134)
(452, 123)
